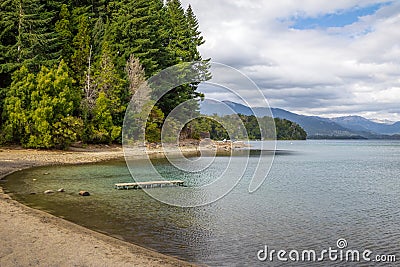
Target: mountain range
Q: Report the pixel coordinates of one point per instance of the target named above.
(349, 127)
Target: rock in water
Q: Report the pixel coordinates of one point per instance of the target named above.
(49, 192)
(84, 193)
(61, 190)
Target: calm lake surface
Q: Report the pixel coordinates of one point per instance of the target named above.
(316, 193)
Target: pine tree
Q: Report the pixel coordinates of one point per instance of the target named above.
(26, 37)
(17, 104)
(103, 129)
(32, 41)
(179, 34)
(105, 107)
(182, 41)
(100, 33)
(64, 30)
(101, 9)
(39, 109)
(53, 105)
(90, 43)
(196, 39)
(107, 80)
(134, 31)
(82, 51)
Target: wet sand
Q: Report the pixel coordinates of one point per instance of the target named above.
(31, 237)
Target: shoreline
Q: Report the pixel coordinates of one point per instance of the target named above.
(34, 237)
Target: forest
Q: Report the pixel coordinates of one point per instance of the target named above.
(68, 68)
(246, 128)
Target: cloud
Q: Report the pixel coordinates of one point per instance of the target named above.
(353, 69)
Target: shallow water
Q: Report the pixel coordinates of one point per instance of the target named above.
(316, 193)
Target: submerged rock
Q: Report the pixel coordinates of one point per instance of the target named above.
(49, 192)
(84, 193)
(61, 190)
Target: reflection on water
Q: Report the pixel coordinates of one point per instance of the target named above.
(316, 193)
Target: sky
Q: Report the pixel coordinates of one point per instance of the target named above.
(314, 57)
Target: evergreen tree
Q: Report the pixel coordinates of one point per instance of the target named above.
(134, 31)
(26, 37)
(91, 42)
(31, 40)
(17, 104)
(64, 29)
(183, 39)
(8, 19)
(53, 105)
(82, 51)
(178, 32)
(196, 39)
(39, 110)
(103, 129)
(107, 80)
(101, 9)
(100, 33)
(108, 109)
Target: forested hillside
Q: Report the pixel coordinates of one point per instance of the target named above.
(69, 68)
(246, 127)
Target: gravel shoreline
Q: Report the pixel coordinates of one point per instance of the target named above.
(33, 237)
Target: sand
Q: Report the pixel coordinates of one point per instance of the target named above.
(31, 237)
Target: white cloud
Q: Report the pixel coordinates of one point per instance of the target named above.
(337, 71)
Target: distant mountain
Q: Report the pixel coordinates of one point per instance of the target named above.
(239, 108)
(360, 124)
(383, 121)
(316, 127)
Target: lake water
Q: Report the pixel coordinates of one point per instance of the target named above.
(315, 194)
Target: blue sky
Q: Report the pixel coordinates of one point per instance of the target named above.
(314, 57)
(340, 18)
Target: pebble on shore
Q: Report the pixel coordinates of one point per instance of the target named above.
(84, 193)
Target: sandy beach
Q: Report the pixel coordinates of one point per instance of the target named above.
(34, 238)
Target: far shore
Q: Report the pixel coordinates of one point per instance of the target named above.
(33, 237)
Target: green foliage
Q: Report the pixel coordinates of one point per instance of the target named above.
(102, 127)
(63, 28)
(134, 30)
(106, 115)
(153, 125)
(82, 49)
(287, 130)
(16, 105)
(85, 96)
(182, 39)
(179, 32)
(66, 131)
(27, 37)
(39, 109)
(229, 127)
(196, 39)
(208, 125)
